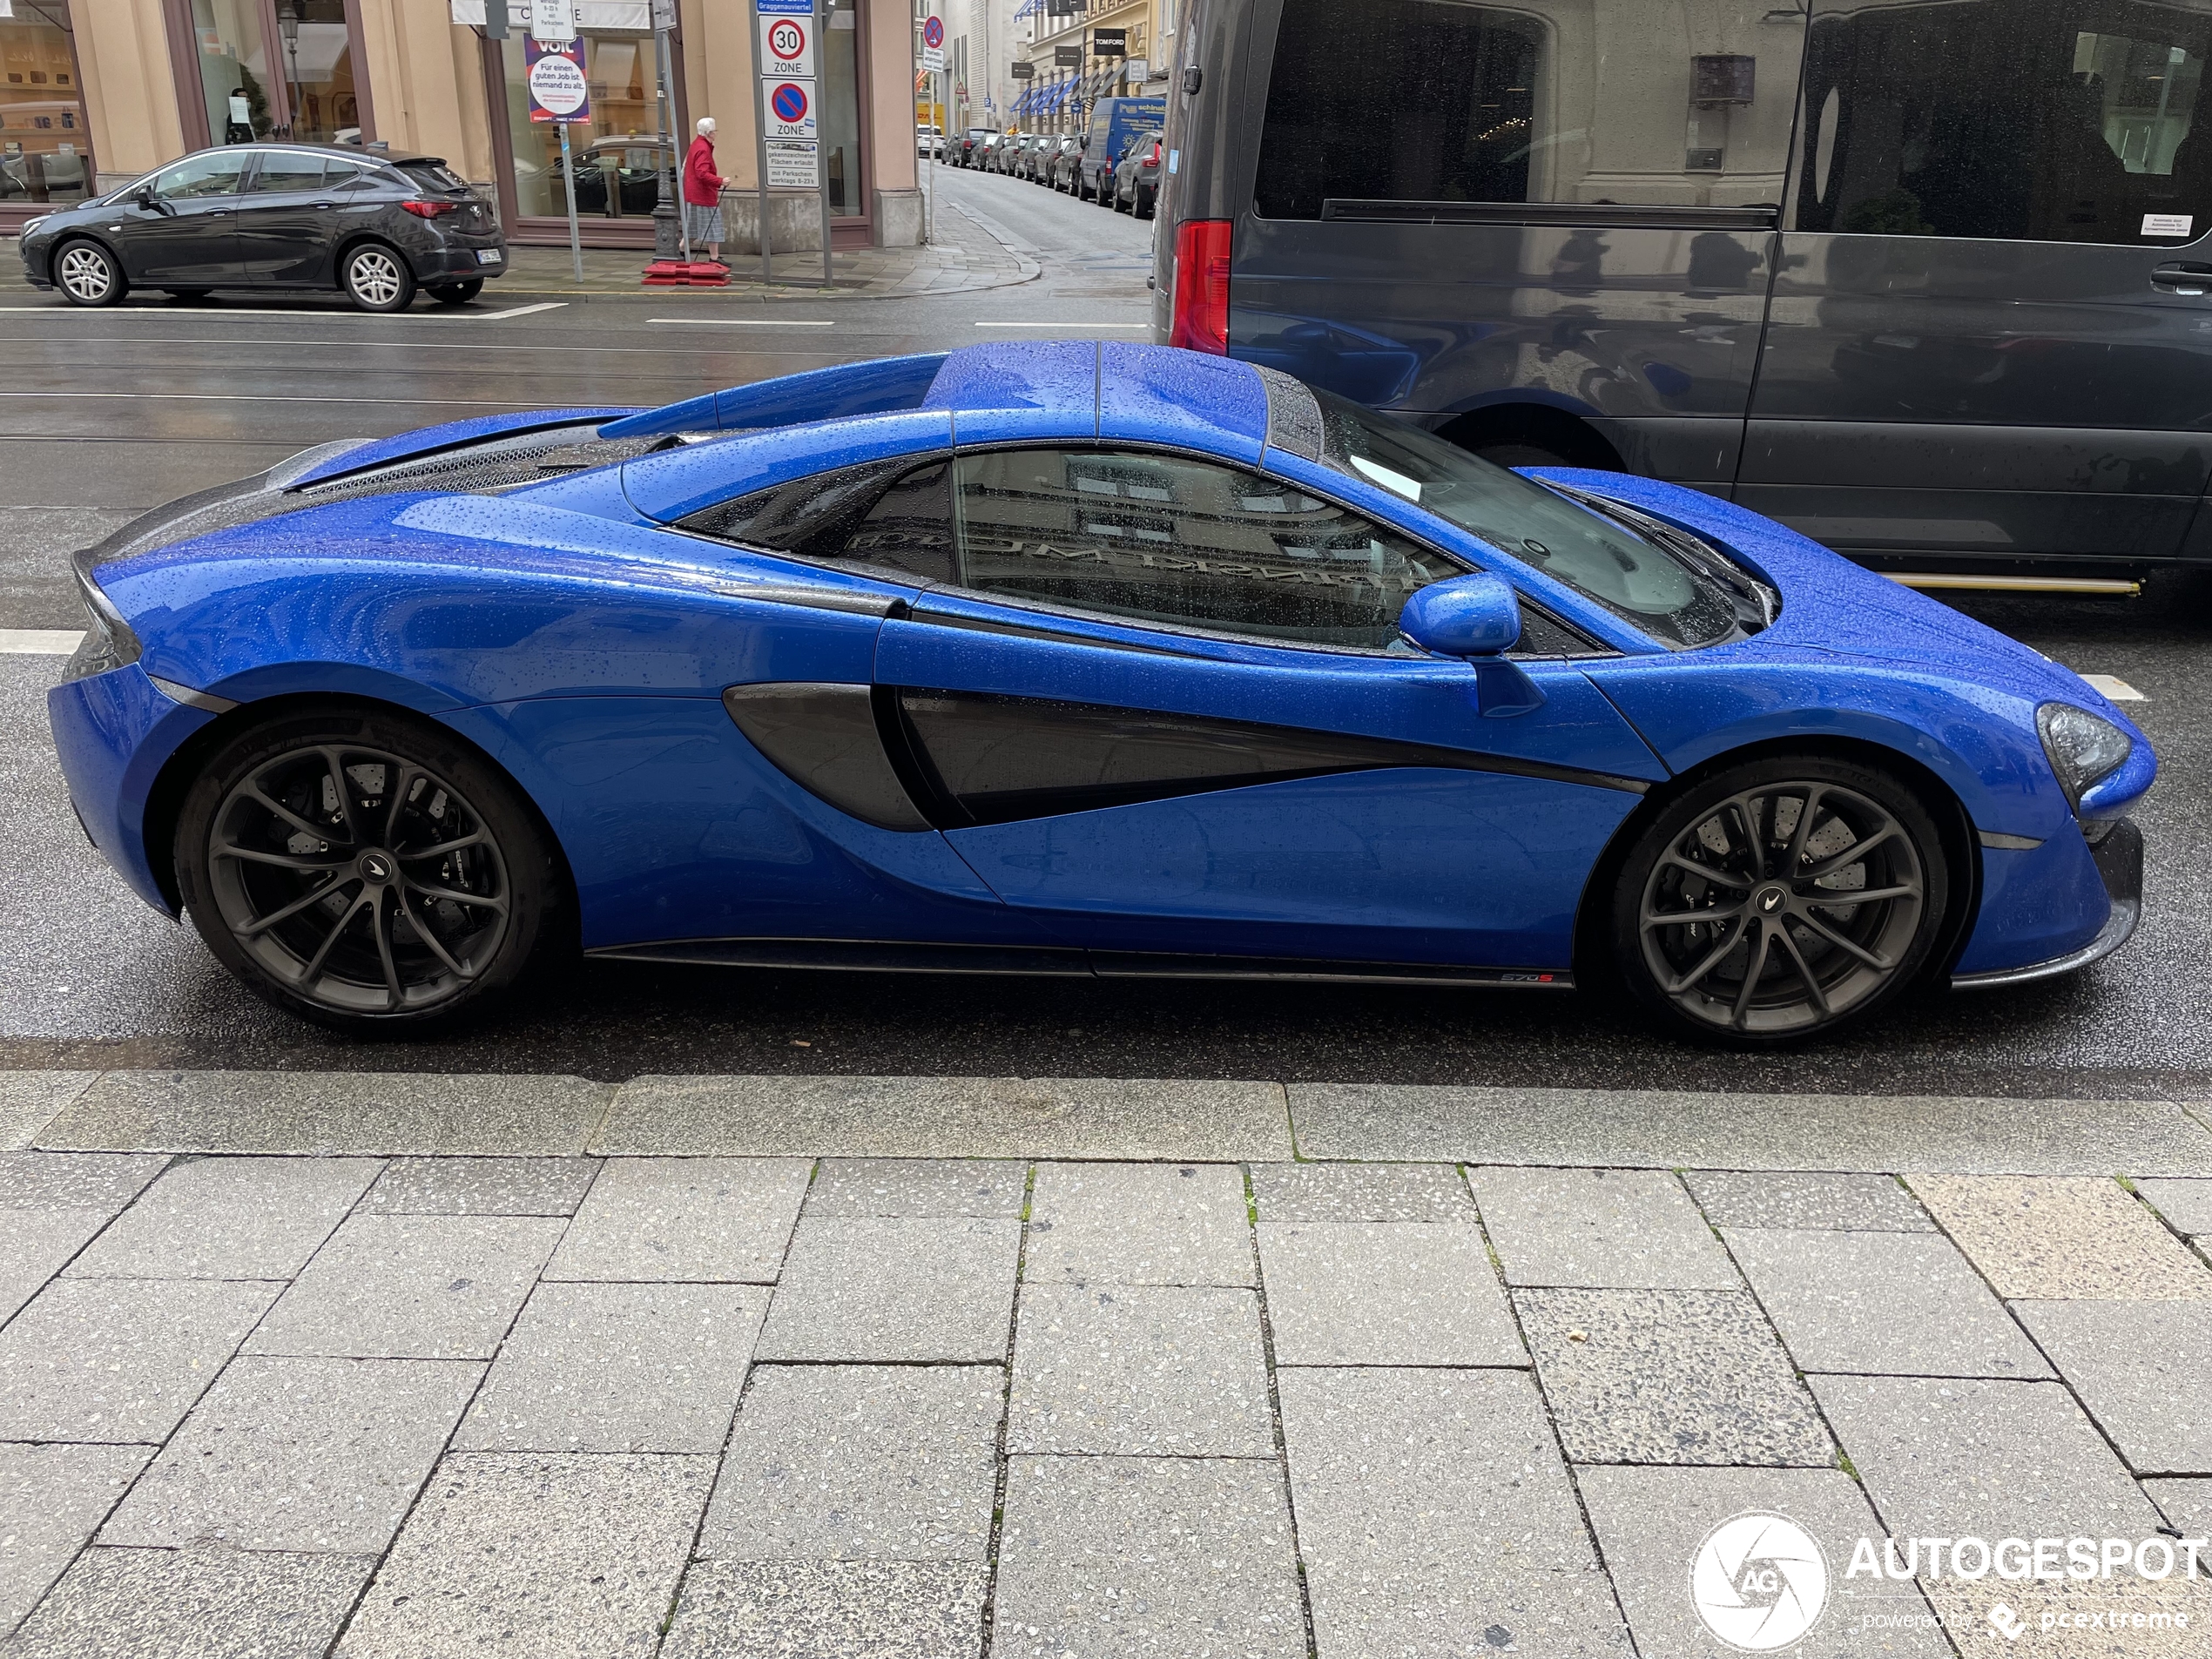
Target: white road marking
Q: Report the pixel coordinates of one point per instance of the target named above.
(116, 313)
(263, 397)
(2116, 688)
(745, 322)
(350, 344)
(40, 642)
(1080, 327)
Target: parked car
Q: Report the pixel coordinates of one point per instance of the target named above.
(275, 216)
(1956, 330)
(1176, 667)
(1136, 176)
(1112, 120)
(970, 143)
(1023, 159)
(620, 178)
(929, 140)
(1067, 160)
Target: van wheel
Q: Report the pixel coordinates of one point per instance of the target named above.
(375, 277)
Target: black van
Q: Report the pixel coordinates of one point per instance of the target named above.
(1928, 281)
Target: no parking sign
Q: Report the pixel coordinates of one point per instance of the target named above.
(933, 45)
(790, 110)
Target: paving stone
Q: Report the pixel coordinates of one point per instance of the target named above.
(987, 1189)
(1795, 1199)
(850, 1462)
(1360, 1192)
(658, 1219)
(315, 1455)
(193, 1604)
(1139, 1224)
(1907, 1303)
(421, 1287)
(1669, 1376)
(2142, 1369)
(51, 1499)
(34, 1245)
(1385, 1293)
(2097, 1620)
(482, 1186)
(327, 1112)
(1436, 1520)
(1982, 1459)
(1666, 1129)
(2051, 1238)
(2187, 1204)
(879, 1288)
(525, 1554)
(1619, 1229)
(119, 1361)
(29, 1100)
(1113, 1556)
(831, 1609)
(953, 1117)
(76, 1180)
(1139, 1369)
(2188, 1504)
(229, 1218)
(1651, 1524)
(618, 1368)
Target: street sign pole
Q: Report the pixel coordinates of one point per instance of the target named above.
(760, 143)
(932, 62)
(576, 236)
(821, 157)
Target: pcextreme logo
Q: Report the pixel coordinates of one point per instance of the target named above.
(1759, 1581)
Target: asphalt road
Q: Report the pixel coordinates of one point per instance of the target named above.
(103, 414)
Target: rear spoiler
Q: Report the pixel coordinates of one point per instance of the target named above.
(883, 386)
(434, 440)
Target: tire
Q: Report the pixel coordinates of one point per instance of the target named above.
(1722, 918)
(418, 895)
(375, 277)
(87, 275)
(455, 294)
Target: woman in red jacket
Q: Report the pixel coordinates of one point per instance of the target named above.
(703, 188)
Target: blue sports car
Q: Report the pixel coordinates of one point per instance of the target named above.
(1071, 659)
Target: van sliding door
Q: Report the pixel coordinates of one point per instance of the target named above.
(1518, 219)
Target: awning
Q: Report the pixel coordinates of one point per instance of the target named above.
(590, 14)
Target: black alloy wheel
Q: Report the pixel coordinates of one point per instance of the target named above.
(364, 872)
(88, 276)
(1781, 899)
(455, 294)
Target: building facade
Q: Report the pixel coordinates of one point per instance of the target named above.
(987, 89)
(95, 92)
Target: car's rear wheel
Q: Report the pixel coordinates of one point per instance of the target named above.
(1783, 898)
(455, 294)
(88, 276)
(375, 277)
(365, 871)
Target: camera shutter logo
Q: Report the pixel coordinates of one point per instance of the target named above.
(1759, 1583)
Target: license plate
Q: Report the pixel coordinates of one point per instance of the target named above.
(488, 256)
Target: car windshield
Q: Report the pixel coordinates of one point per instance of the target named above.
(1657, 588)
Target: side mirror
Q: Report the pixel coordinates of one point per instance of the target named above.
(1478, 617)
(1468, 615)
(143, 197)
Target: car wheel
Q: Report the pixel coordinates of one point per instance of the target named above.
(455, 294)
(88, 276)
(1781, 899)
(365, 871)
(376, 278)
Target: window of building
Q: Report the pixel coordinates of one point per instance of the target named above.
(318, 65)
(231, 62)
(43, 151)
(2046, 120)
(1618, 101)
(616, 154)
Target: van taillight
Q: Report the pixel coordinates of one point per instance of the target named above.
(1154, 159)
(1201, 317)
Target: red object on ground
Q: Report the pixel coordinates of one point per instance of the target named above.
(678, 273)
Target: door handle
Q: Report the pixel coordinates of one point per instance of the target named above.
(2182, 278)
(219, 212)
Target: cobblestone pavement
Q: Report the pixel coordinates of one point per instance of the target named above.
(707, 1366)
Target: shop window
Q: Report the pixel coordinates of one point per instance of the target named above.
(617, 154)
(318, 65)
(233, 59)
(1618, 101)
(41, 149)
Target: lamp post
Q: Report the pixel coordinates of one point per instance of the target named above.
(288, 21)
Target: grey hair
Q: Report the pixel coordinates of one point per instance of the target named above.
(706, 124)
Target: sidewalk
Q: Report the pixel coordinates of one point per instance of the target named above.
(964, 258)
(424, 1366)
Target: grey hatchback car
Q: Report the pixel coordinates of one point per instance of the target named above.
(265, 216)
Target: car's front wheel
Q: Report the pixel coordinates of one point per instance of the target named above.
(88, 276)
(375, 277)
(365, 871)
(1781, 899)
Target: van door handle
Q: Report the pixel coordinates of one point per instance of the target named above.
(2182, 278)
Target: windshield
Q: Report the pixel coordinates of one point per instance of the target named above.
(1655, 588)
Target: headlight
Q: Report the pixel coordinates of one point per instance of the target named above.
(30, 225)
(2081, 746)
(109, 643)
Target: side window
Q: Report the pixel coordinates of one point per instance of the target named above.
(2043, 120)
(1612, 101)
(215, 174)
(280, 171)
(1162, 539)
(893, 517)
